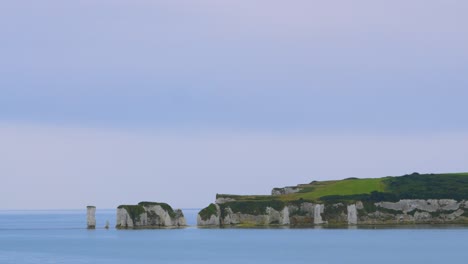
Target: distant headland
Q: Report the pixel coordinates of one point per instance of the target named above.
(409, 199)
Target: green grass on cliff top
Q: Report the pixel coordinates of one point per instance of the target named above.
(344, 187)
(410, 186)
(315, 190)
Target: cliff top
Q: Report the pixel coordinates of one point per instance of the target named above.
(410, 186)
(139, 208)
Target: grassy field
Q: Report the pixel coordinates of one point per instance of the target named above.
(344, 187)
(458, 174)
(318, 189)
(410, 186)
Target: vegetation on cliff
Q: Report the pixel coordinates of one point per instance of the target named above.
(429, 186)
(164, 206)
(254, 207)
(134, 211)
(208, 211)
(410, 186)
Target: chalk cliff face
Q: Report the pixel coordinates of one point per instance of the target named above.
(149, 215)
(356, 213)
(352, 214)
(416, 211)
(271, 216)
(210, 216)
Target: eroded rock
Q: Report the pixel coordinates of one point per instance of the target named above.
(357, 213)
(91, 217)
(149, 215)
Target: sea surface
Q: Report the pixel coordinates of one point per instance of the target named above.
(62, 237)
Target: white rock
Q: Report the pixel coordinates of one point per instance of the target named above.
(352, 214)
(91, 217)
(308, 208)
(431, 205)
(153, 216)
(222, 200)
(123, 219)
(285, 190)
(285, 216)
(318, 210)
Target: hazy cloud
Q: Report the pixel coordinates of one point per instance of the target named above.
(56, 167)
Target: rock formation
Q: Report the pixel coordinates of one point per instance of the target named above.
(285, 190)
(91, 217)
(210, 216)
(149, 215)
(318, 210)
(274, 212)
(352, 214)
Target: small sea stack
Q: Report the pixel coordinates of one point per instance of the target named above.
(91, 217)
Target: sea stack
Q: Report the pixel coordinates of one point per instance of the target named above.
(91, 217)
(149, 215)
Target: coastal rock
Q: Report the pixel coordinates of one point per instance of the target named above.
(210, 216)
(277, 217)
(285, 190)
(449, 204)
(465, 204)
(318, 210)
(149, 215)
(352, 214)
(284, 216)
(453, 216)
(230, 218)
(359, 213)
(212, 221)
(422, 216)
(359, 205)
(123, 218)
(416, 211)
(222, 200)
(91, 217)
(272, 216)
(307, 209)
(424, 205)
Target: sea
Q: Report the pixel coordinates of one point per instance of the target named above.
(60, 236)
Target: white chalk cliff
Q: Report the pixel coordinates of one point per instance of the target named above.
(357, 213)
(149, 215)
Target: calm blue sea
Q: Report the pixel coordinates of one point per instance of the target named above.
(61, 237)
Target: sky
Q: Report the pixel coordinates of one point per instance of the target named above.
(115, 101)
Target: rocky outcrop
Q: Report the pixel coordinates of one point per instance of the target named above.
(352, 214)
(210, 216)
(149, 215)
(318, 210)
(285, 190)
(416, 211)
(221, 200)
(275, 212)
(91, 217)
(424, 205)
(271, 216)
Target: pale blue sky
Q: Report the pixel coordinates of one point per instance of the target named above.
(227, 96)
